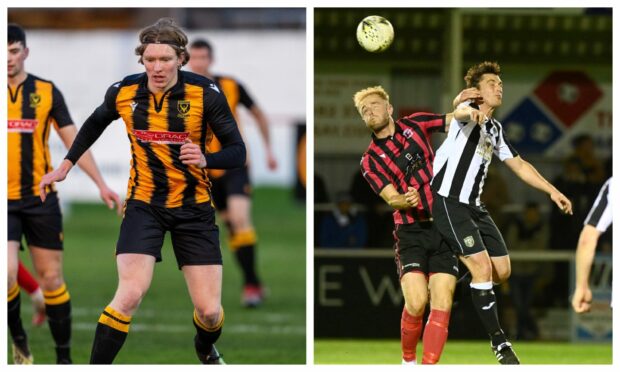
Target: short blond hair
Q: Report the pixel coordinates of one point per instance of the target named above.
(359, 96)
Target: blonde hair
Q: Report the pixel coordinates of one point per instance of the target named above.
(378, 90)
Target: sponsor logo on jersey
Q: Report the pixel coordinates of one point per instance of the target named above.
(408, 133)
(35, 100)
(22, 125)
(183, 108)
(167, 138)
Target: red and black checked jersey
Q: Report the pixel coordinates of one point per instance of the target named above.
(405, 159)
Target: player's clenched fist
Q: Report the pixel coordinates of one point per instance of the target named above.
(191, 154)
(412, 197)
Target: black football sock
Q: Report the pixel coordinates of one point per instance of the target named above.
(246, 257)
(485, 304)
(14, 320)
(206, 336)
(58, 311)
(110, 336)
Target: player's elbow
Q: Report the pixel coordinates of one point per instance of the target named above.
(588, 238)
(242, 153)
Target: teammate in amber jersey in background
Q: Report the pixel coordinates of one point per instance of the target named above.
(30, 284)
(398, 166)
(34, 106)
(232, 188)
(170, 117)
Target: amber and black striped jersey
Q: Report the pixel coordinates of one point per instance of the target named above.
(157, 127)
(235, 94)
(34, 106)
(405, 159)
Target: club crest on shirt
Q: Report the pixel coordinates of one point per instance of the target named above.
(408, 133)
(469, 241)
(485, 147)
(183, 108)
(35, 100)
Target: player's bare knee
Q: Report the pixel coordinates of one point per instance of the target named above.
(416, 304)
(12, 280)
(209, 315)
(239, 222)
(50, 280)
(502, 276)
(443, 303)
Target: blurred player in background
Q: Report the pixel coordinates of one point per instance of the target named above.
(461, 166)
(30, 284)
(34, 106)
(166, 112)
(596, 223)
(398, 167)
(232, 189)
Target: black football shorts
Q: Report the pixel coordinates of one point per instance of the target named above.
(40, 223)
(234, 182)
(419, 247)
(469, 229)
(195, 236)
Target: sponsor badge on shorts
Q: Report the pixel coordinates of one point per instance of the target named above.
(469, 241)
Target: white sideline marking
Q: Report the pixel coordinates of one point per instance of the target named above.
(175, 328)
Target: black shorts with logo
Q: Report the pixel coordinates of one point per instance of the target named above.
(40, 223)
(469, 229)
(235, 181)
(420, 247)
(195, 236)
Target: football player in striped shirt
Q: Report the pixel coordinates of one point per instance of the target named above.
(461, 166)
(35, 106)
(398, 167)
(597, 222)
(232, 189)
(170, 116)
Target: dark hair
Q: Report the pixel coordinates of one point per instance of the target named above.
(474, 74)
(16, 34)
(202, 44)
(164, 31)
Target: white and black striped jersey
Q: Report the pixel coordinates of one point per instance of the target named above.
(462, 161)
(600, 215)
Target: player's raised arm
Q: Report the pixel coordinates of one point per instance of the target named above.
(468, 94)
(526, 172)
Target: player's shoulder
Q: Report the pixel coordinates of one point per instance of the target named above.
(40, 80)
(201, 81)
(227, 79)
(130, 80)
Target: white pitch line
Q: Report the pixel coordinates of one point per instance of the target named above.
(175, 328)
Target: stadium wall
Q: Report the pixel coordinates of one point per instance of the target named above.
(271, 64)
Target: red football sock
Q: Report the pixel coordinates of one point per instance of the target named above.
(25, 279)
(435, 335)
(410, 331)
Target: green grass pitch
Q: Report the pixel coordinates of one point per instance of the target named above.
(460, 352)
(162, 331)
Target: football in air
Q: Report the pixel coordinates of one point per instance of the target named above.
(375, 33)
